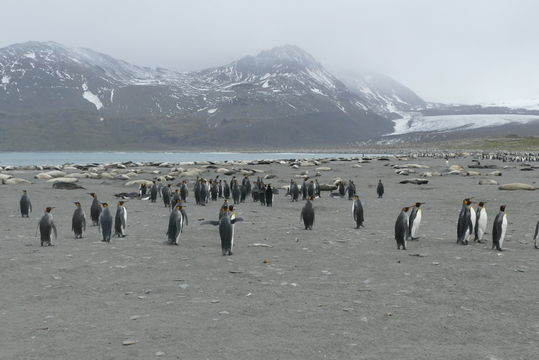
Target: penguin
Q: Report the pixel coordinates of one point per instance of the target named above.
(46, 227)
(95, 209)
(247, 184)
(341, 188)
(236, 193)
(105, 222)
(243, 193)
(307, 214)
(25, 204)
(481, 222)
(220, 188)
(142, 190)
(464, 225)
(78, 222)
(310, 190)
(184, 191)
(535, 235)
(357, 212)
(185, 220)
(120, 220)
(294, 190)
(214, 191)
(176, 196)
(166, 192)
(316, 188)
(203, 190)
(226, 190)
(304, 189)
(499, 228)
(351, 189)
(153, 192)
(269, 195)
(380, 189)
(175, 225)
(401, 229)
(415, 221)
(226, 229)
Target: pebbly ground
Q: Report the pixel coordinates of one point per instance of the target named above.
(331, 293)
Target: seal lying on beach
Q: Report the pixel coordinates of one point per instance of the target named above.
(66, 186)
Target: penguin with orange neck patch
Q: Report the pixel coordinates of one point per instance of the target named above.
(78, 222)
(401, 228)
(499, 229)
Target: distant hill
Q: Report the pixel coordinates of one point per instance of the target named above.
(51, 95)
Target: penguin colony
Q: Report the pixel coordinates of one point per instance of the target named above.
(472, 222)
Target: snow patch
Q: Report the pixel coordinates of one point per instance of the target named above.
(6, 79)
(91, 97)
(30, 55)
(211, 111)
(265, 84)
(410, 123)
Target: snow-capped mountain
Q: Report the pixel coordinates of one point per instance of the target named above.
(383, 94)
(283, 89)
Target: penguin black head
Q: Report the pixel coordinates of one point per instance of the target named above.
(231, 208)
(153, 181)
(481, 204)
(48, 209)
(120, 203)
(92, 195)
(169, 185)
(77, 204)
(418, 204)
(176, 190)
(405, 209)
(356, 197)
(104, 205)
(178, 207)
(466, 201)
(24, 191)
(502, 208)
(380, 180)
(178, 201)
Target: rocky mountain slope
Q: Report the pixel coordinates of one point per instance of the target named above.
(280, 97)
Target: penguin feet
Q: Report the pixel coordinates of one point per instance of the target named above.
(415, 238)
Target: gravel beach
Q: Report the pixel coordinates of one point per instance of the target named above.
(335, 292)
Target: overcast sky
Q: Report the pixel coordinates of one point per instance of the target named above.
(464, 51)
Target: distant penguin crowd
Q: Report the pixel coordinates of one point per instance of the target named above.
(471, 222)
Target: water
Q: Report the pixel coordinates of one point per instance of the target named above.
(59, 158)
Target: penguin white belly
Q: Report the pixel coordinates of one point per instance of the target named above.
(125, 222)
(482, 224)
(354, 210)
(232, 238)
(504, 229)
(473, 217)
(179, 231)
(416, 223)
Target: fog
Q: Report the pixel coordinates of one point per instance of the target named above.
(473, 51)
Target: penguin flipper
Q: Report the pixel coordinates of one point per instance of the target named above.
(536, 231)
(210, 222)
(235, 220)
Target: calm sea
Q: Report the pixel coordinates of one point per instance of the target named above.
(59, 158)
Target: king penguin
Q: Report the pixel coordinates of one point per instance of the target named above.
(120, 220)
(46, 227)
(499, 228)
(153, 191)
(95, 209)
(166, 193)
(357, 212)
(415, 221)
(25, 204)
(401, 229)
(307, 214)
(464, 226)
(175, 225)
(481, 222)
(78, 222)
(380, 189)
(105, 223)
(226, 229)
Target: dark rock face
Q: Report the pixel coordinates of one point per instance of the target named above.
(281, 96)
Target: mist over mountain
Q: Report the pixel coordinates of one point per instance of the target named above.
(57, 97)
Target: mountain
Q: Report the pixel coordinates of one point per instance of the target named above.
(384, 95)
(280, 97)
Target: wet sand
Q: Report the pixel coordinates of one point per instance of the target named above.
(331, 293)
